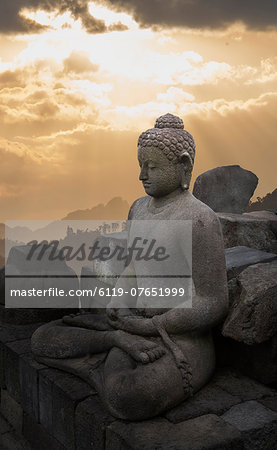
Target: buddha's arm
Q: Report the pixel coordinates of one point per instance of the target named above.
(210, 300)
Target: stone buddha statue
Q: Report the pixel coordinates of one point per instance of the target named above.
(143, 361)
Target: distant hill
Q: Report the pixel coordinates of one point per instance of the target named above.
(115, 209)
(268, 202)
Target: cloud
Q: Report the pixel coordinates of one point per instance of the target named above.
(79, 62)
(46, 177)
(200, 13)
(177, 13)
(12, 19)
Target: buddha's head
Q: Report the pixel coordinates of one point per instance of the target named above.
(166, 156)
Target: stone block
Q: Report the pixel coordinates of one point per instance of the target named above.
(29, 375)
(12, 353)
(240, 257)
(4, 425)
(11, 410)
(38, 436)
(45, 401)
(10, 333)
(226, 188)
(2, 366)
(257, 424)
(14, 441)
(270, 402)
(240, 386)
(59, 394)
(211, 399)
(253, 317)
(91, 420)
(242, 230)
(203, 433)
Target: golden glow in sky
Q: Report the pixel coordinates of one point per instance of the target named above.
(76, 95)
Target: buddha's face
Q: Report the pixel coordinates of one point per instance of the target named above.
(159, 176)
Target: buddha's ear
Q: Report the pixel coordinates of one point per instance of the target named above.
(186, 158)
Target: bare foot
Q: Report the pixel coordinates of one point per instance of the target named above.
(140, 349)
(89, 321)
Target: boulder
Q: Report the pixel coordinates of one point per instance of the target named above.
(253, 316)
(244, 230)
(240, 257)
(226, 188)
(263, 214)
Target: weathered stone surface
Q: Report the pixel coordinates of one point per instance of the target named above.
(209, 400)
(241, 386)
(264, 214)
(59, 393)
(4, 425)
(240, 257)
(14, 441)
(270, 402)
(12, 411)
(10, 333)
(38, 437)
(91, 420)
(257, 424)
(253, 319)
(226, 188)
(203, 433)
(12, 353)
(28, 375)
(242, 230)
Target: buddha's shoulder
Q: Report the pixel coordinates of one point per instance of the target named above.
(197, 211)
(138, 205)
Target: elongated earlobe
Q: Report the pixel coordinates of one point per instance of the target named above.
(187, 171)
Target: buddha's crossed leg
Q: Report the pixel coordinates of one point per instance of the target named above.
(138, 378)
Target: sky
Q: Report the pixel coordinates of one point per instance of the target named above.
(80, 80)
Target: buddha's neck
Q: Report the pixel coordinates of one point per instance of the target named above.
(158, 202)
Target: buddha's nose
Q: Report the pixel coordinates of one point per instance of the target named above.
(143, 174)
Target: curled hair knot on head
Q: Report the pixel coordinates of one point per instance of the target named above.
(170, 137)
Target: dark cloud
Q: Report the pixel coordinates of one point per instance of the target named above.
(12, 22)
(255, 14)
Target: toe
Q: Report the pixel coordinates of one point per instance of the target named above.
(151, 355)
(144, 357)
